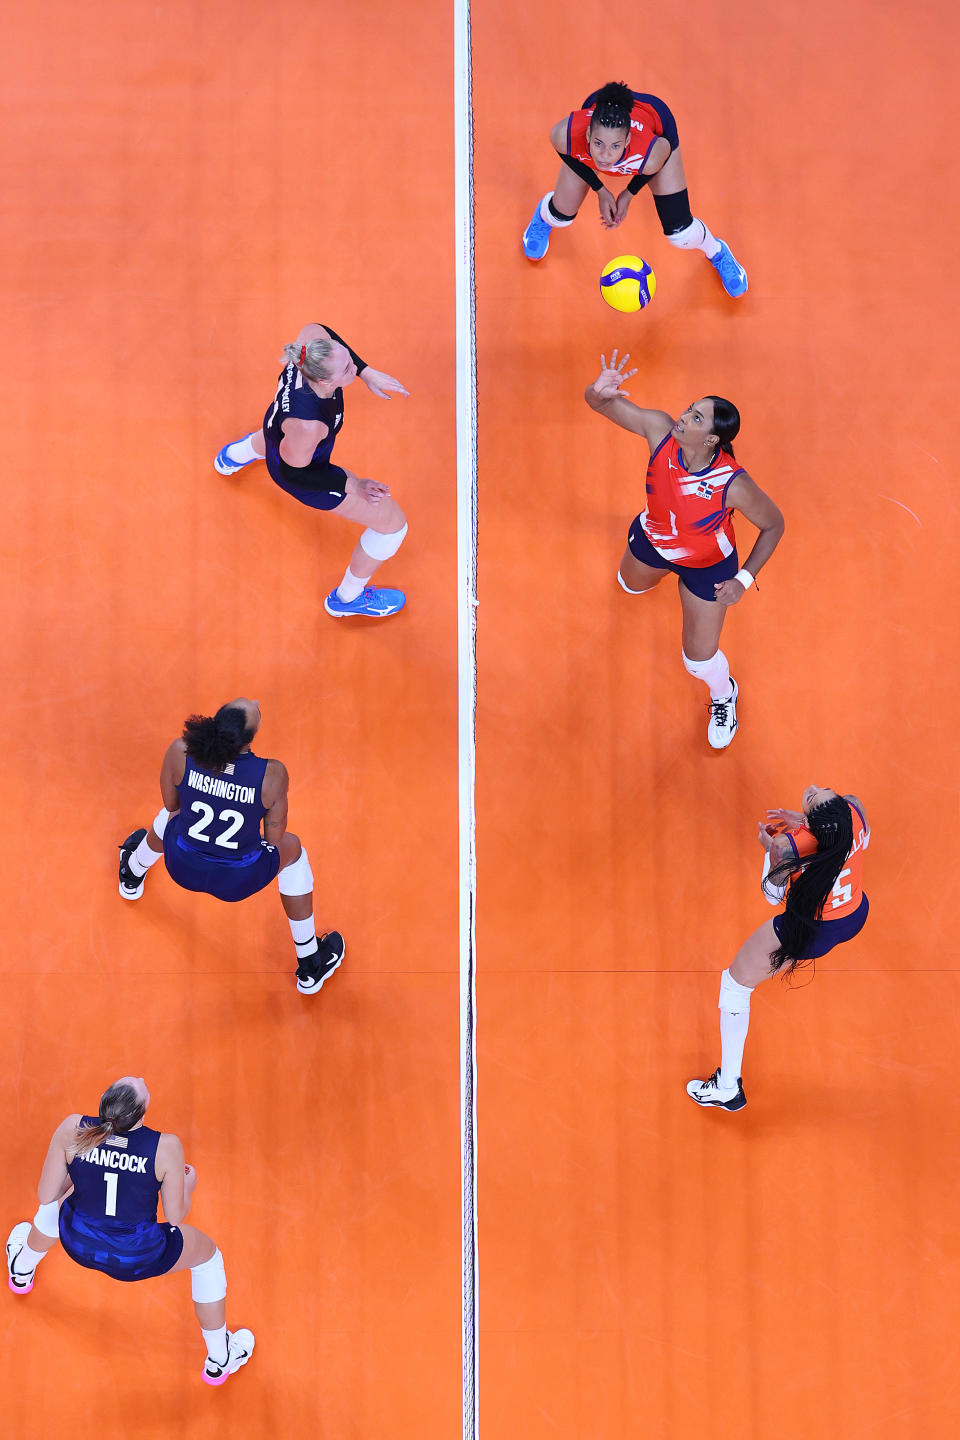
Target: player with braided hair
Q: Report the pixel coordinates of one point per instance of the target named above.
(619, 131)
(812, 860)
(297, 439)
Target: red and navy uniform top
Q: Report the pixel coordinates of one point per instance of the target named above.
(221, 810)
(295, 399)
(687, 519)
(117, 1179)
(646, 126)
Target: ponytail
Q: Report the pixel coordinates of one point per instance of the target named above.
(215, 741)
(613, 107)
(726, 423)
(312, 360)
(832, 827)
(120, 1110)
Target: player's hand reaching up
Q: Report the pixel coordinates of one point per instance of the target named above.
(382, 384)
(612, 376)
(790, 818)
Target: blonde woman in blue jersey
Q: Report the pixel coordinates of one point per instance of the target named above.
(297, 439)
(98, 1193)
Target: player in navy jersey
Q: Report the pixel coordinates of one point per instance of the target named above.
(297, 440)
(216, 797)
(98, 1194)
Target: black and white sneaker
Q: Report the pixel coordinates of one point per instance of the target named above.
(318, 967)
(709, 1092)
(723, 719)
(131, 886)
(240, 1345)
(20, 1281)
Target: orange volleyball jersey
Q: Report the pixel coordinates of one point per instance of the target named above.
(848, 888)
(645, 127)
(687, 519)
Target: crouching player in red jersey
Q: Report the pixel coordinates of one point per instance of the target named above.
(619, 131)
(98, 1194)
(216, 796)
(813, 861)
(693, 485)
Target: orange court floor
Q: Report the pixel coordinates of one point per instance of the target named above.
(189, 184)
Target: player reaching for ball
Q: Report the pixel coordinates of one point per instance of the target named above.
(216, 794)
(619, 131)
(98, 1193)
(297, 439)
(694, 484)
(812, 859)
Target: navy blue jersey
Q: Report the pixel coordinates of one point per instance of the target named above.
(117, 1180)
(221, 812)
(294, 399)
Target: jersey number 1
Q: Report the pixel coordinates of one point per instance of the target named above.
(110, 1180)
(206, 813)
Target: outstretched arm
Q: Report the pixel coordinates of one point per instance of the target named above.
(608, 399)
(377, 381)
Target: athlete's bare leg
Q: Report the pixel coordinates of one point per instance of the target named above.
(197, 1249)
(670, 178)
(385, 517)
(569, 192)
(637, 576)
(752, 963)
(702, 624)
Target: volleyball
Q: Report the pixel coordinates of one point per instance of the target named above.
(628, 283)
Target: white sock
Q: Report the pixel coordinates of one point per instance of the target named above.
(142, 858)
(216, 1343)
(242, 451)
(715, 673)
(733, 1035)
(710, 245)
(304, 936)
(350, 587)
(27, 1260)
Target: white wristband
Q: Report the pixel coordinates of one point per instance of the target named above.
(745, 578)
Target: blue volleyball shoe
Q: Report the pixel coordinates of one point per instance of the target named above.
(378, 603)
(536, 237)
(732, 274)
(225, 466)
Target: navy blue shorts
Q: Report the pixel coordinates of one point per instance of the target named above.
(229, 880)
(699, 582)
(831, 932)
(328, 487)
(125, 1252)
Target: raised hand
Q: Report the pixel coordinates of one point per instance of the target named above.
(382, 384)
(610, 380)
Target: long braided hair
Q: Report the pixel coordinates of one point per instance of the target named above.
(831, 825)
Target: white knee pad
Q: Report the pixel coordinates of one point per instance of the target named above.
(624, 586)
(698, 668)
(47, 1220)
(734, 997)
(160, 823)
(552, 220)
(690, 237)
(296, 879)
(381, 547)
(208, 1282)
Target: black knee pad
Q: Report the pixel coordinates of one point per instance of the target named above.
(674, 211)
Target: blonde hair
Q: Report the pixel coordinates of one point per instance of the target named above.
(312, 359)
(120, 1110)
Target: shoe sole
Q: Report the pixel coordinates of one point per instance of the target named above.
(17, 1289)
(126, 895)
(315, 989)
(360, 614)
(231, 470)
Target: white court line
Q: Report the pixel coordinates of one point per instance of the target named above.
(467, 688)
(905, 507)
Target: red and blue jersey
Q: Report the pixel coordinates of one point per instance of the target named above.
(687, 519)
